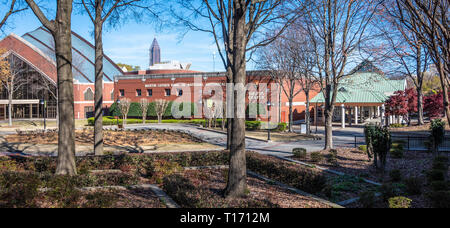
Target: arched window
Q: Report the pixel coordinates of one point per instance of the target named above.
(89, 95)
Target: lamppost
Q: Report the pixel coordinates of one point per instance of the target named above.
(268, 121)
(44, 104)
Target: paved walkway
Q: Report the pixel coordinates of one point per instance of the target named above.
(344, 138)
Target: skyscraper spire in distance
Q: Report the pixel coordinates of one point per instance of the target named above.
(155, 53)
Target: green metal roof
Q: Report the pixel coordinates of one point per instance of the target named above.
(365, 87)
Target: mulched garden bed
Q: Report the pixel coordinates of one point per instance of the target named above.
(413, 165)
(104, 198)
(203, 189)
(111, 138)
(153, 168)
(356, 162)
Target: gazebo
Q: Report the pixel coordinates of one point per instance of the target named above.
(361, 95)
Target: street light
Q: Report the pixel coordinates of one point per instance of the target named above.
(44, 104)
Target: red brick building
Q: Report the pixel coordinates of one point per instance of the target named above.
(35, 52)
(177, 84)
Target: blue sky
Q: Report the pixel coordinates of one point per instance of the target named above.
(131, 42)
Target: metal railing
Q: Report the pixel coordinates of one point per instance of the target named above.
(410, 143)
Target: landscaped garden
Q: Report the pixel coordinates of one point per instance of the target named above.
(27, 180)
(421, 179)
(116, 141)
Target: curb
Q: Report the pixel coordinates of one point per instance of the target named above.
(206, 167)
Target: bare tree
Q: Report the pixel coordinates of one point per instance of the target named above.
(236, 26)
(280, 59)
(60, 28)
(160, 108)
(13, 80)
(429, 21)
(337, 29)
(15, 7)
(404, 49)
(218, 18)
(144, 103)
(100, 12)
(124, 107)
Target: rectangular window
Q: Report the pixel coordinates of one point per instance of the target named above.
(149, 92)
(168, 93)
(138, 92)
(122, 92)
(179, 92)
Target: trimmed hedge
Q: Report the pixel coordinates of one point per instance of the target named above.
(135, 109)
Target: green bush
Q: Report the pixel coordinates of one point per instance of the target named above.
(397, 150)
(397, 125)
(302, 178)
(332, 157)
(367, 199)
(388, 191)
(281, 127)
(395, 175)
(413, 186)
(436, 175)
(100, 199)
(400, 202)
(316, 157)
(440, 199)
(440, 166)
(439, 186)
(363, 148)
(443, 159)
(181, 190)
(135, 109)
(18, 190)
(253, 125)
(300, 153)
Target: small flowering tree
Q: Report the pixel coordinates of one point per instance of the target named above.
(402, 103)
(144, 103)
(160, 108)
(434, 105)
(397, 105)
(124, 107)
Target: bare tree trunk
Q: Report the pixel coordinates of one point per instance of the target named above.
(444, 85)
(237, 177)
(328, 129)
(307, 114)
(10, 104)
(229, 120)
(291, 115)
(63, 46)
(224, 115)
(98, 125)
(420, 105)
